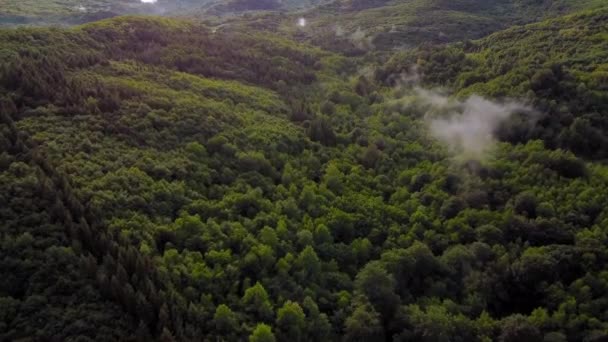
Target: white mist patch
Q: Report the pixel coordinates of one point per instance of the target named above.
(467, 126)
(430, 97)
(302, 22)
(339, 31)
(361, 40)
(148, 1)
(367, 72)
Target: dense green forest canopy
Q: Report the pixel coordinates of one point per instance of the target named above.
(161, 179)
(559, 65)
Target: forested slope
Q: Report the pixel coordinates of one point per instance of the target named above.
(63, 12)
(49, 284)
(560, 65)
(231, 185)
(361, 26)
(70, 12)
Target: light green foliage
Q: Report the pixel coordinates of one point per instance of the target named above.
(556, 65)
(224, 319)
(291, 321)
(165, 181)
(364, 323)
(262, 333)
(256, 299)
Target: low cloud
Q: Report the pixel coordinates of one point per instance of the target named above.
(368, 72)
(361, 40)
(467, 127)
(339, 31)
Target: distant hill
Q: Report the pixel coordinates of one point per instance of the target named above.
(64, 12)
(359, 26)
(230, 7)
(353, 27)
(67, 12)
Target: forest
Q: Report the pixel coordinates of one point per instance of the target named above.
(171, 179)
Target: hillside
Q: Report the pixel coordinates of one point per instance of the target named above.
(560, 65)
(162, 180)
(363, 26)
(62, 12)
(350, 27)
(69, 12)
